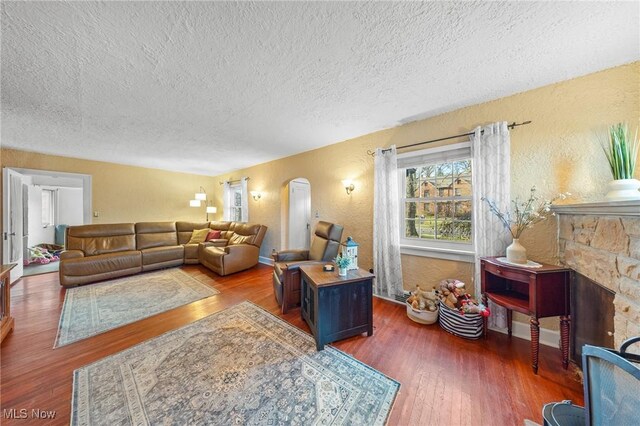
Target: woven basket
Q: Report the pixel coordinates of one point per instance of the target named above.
(422, 317)
(468, 326)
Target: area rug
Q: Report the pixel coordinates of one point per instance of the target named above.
(242, 365)
(96, 308)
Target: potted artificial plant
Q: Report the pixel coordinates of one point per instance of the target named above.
(621, 151)
(342, 262)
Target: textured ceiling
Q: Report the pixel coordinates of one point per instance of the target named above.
(210, 87)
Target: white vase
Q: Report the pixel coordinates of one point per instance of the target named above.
(342, 272)
(623, 189)
(516, 253)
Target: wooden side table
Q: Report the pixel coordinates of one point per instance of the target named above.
(536, 292)
(336, 307)
(6, 320)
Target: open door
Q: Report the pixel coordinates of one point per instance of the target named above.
(13, 235)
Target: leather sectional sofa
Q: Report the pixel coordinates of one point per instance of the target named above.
(100, 252)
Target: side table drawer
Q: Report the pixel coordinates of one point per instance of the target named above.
(506, 273)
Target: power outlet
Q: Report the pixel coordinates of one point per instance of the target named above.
(96, 214)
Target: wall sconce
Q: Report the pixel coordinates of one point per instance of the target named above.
(256, 195)
(348, 186)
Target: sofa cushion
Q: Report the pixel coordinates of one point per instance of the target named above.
(198, 236)
(254, 232)
(191, 251)
(213, 235)
(102, 263)
(101, 239)
(162, 254)
(155, 234)
(185, 229)
(240, 239)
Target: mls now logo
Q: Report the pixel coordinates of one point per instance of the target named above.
(23, 413)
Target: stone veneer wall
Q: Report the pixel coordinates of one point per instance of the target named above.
(606, 249)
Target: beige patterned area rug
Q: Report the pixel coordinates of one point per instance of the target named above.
(242, 366)
(96, 308)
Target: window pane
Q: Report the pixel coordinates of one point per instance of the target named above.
(410, 228)
(47, 207)
(462, 231)
(462, 169)
(463, 210)
(410, 210)
(237, 213)
(412, 184)
(444, 220)
(427, 223)
(237, 198)
(447, 220)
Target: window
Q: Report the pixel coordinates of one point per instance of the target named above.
(436, 201)
(236, 202)
(48, 207)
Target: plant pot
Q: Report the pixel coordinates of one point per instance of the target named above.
(342, 272)
(516, 253)
(623, 189)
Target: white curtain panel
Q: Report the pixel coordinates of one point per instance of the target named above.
(386, 225)
(491, 153)
(226, 200)
(244, 200)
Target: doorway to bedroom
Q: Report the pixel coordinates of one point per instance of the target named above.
(38, 207)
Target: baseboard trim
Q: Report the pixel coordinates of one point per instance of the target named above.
(265, 260)
(388, 299)
(523, 331)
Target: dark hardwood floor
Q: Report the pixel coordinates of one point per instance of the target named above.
(445, 380)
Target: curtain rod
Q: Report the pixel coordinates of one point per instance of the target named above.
(232, 180)
(511, 126)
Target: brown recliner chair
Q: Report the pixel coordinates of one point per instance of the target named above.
(286, 269)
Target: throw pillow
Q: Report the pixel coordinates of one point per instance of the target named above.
(198, 236)
(240, 239)
(213, 235)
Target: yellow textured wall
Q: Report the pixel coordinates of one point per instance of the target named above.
(125, 193)
(558, 152)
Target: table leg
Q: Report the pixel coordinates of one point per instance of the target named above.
(564, 340)
(485, 320)
(509, 316)
(535, 343)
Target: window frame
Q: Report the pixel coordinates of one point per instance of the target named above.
(440, 249)
(51, 214)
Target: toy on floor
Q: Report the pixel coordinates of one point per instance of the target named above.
(453, 294)
(423, 300)
(41, 256)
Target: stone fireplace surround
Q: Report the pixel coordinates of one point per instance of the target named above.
(602, 242)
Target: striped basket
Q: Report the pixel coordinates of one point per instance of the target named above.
(469, 326)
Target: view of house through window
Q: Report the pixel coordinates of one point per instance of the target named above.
(48, 207)
(236, 202)
(437, 202)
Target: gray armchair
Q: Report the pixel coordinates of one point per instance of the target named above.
(286, 267)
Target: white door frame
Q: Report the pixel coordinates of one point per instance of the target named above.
(291, 184)
(86, 187)
(10, 234)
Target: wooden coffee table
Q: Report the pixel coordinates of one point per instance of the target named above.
(336, 307)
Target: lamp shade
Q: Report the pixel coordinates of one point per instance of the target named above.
(211, 209)
(194, 203)
(201, 196)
